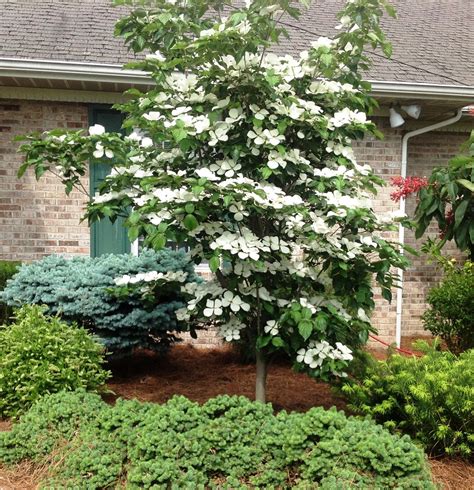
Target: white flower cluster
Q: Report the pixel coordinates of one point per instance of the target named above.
(329, 87)
(228, 300)
(226, 167)
(100, 151)
(110, 196)
(231, 330)
(136, 171)
(346, 117)
(178, 276)
(96, 130)
(246, 245)
(317, 352)
(269, 137)
(338, 199)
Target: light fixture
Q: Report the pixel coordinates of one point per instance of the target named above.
(396, 120)
(413, 110)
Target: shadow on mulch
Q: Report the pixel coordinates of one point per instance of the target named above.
(200, 374)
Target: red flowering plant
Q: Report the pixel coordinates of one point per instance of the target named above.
(446, 197)
(406, 186)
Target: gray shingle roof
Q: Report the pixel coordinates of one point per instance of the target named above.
(432, 39)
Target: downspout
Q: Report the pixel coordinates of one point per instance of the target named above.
(401, 229)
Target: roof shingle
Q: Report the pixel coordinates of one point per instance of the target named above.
(432, 39)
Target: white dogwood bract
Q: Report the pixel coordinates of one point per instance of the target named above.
(246, 156)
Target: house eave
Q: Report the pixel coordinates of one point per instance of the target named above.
(68, 70)
(407, 90)
(90, 73)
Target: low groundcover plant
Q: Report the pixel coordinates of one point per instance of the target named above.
(229, 442)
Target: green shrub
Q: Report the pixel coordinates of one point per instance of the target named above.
(229, 442)
(431, 398)
(79, 290)
(7, 270)
(42, 355)
(451, 311)
(53, 420)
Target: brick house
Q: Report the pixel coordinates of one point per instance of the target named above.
(60, 66)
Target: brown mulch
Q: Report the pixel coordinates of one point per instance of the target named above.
(202, 374)
(452, 474)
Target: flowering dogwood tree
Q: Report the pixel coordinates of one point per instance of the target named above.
(245, 156)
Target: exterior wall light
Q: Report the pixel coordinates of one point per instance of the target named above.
(396, 120)
(413, 110)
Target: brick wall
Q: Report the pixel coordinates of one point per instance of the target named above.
(424, 153)
(384, 156)
(37, 218)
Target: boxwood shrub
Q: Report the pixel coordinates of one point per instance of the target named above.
(227, 443)
(79, 289)
(430, 397)
(42, 355)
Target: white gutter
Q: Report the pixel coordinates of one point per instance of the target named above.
(422, 90)
(95, 72)
(67, 70)
(401, 229)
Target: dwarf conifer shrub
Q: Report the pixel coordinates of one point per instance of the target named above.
(7, 270)
(42, 355)
(83, 290)
(229, 442)
(431, 398)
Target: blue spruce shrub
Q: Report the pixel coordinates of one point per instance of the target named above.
(82, 290)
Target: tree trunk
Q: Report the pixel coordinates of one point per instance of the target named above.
(261, 379)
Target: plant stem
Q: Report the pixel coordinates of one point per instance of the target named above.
(261, 378)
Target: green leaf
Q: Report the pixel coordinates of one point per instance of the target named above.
(134, 218)
(39, 171)
(305, 328)
(296, 316)
(321, 322)
(159, 241)
(214, 263)
(278, 342)
(133, 232)
(390, 9)
(460, 211)
(263, 341)
(23, 168)
(471, 232)
(165, 18)
(197, 189)
(179, 134)
(465, 183)
(190, 222)
(189, 207)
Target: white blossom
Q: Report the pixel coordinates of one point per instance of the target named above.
(213, 308)
(100, 151)
(322, 42)
(96, 130)
(271, 327)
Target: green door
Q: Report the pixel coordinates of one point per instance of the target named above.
(106, 237)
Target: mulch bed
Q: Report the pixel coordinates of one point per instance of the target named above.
(202, 374)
